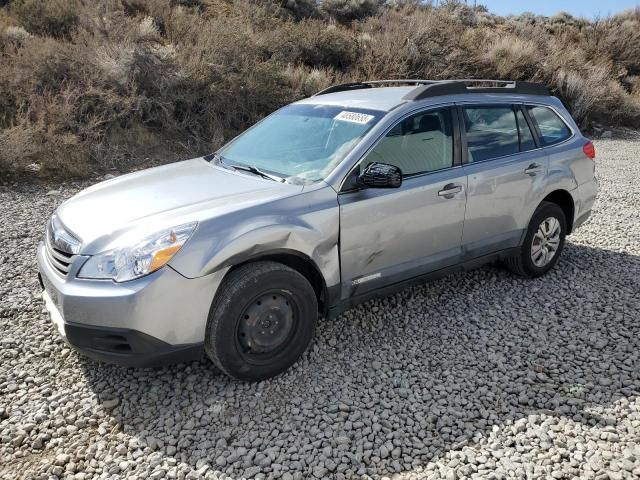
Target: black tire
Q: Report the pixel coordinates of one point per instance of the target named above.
(241, 309)
(522, 263)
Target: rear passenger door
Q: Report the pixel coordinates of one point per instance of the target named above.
(506, 173)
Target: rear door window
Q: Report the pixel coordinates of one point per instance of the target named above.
(552, 128)
(491, 132)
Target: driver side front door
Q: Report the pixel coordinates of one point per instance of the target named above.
(391, 235)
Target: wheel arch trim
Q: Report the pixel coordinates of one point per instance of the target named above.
(555, 190)
(565, 200)
(327, 294)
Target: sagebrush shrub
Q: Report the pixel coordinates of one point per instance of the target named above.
(300, 8)
(56, 18)
(515, 58)
(89, 85)
(593, 94)
(347, 11)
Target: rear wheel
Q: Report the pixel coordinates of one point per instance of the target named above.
(261, 321)
(543, 242)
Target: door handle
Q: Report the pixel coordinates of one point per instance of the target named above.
(533, 169)
(450, 190)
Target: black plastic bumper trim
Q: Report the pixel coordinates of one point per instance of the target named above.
(128, 347)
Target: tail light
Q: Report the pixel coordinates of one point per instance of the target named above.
(589, 150)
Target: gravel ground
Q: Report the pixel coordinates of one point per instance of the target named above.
(479, 375)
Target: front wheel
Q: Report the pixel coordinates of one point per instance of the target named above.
(261, 320)
(543, 242)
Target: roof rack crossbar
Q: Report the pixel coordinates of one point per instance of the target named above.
(372, 83)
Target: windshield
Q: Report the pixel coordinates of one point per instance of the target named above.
(302, 143)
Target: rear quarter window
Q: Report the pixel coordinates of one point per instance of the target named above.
(552, 128)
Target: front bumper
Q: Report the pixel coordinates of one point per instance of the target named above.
(157, 319)
(120, 346)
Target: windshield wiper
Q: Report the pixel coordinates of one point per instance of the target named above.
(220, 160)
(256, 171)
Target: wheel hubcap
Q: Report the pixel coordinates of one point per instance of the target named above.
(266, 324)
(545, 242)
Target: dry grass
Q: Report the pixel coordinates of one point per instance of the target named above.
(89, 85)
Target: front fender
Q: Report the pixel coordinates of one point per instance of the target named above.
(306, 224)
(302, 239)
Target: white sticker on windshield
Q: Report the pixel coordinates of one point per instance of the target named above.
(354, 117)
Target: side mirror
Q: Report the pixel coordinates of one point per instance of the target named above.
(381, 175)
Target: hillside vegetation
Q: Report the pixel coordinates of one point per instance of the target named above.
(88, 85)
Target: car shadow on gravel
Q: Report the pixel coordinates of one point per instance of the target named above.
(398, 382)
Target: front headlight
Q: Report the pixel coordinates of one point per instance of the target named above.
(146, 256)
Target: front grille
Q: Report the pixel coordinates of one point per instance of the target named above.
(60, 259)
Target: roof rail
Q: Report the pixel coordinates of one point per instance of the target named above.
(372, 83)
(436, 88)
(455, 87)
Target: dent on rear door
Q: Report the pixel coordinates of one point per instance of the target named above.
(500, 199)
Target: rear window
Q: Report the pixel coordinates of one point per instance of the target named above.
(491, 132)
(552, 127)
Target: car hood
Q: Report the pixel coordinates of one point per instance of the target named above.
(162, 197)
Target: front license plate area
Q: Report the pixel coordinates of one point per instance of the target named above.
(52, 304)
(54, 313)
(51, 291)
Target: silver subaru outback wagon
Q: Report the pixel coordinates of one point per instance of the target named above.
(356, 191)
